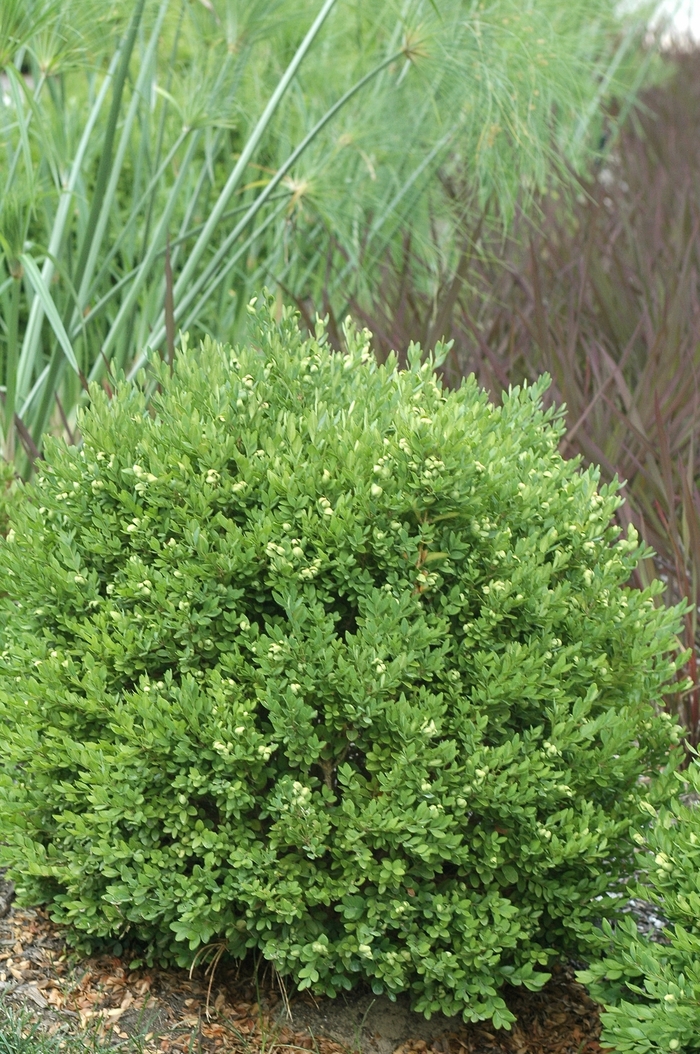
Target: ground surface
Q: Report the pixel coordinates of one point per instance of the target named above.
(174, 1013)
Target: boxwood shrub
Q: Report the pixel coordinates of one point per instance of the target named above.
(652, 988)
(309, 656)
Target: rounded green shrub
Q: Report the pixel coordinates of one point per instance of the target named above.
(651, 989)
(310, 656)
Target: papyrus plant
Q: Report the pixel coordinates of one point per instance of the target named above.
(170, 154)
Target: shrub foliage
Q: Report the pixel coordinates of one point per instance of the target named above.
(652, 989)
(316, 658)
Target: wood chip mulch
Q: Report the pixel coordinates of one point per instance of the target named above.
(175, 1013)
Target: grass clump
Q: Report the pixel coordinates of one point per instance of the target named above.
(20, 1033)
(312, 657)
(19, 1036)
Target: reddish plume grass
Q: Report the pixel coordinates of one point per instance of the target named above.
(602, 291)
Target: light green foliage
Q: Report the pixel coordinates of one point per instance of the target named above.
(652, 990)
(260, 141)
(10, 493)
(316, 658)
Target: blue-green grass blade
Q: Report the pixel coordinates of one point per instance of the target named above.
(41, 290)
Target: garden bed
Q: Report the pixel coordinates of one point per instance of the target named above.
(162, 1011)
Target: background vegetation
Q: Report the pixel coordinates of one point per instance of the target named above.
(445, 169)
(163, 158)
(599, 289)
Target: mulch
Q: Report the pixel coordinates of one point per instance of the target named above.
(560, 1019)
(175, 1013)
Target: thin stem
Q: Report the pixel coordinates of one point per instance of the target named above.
(209, 273)
(32, 335)
(101, 184)
(204, 240)
(11, 366)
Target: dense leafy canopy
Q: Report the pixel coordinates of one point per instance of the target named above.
(651, 988)
(309, 655)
